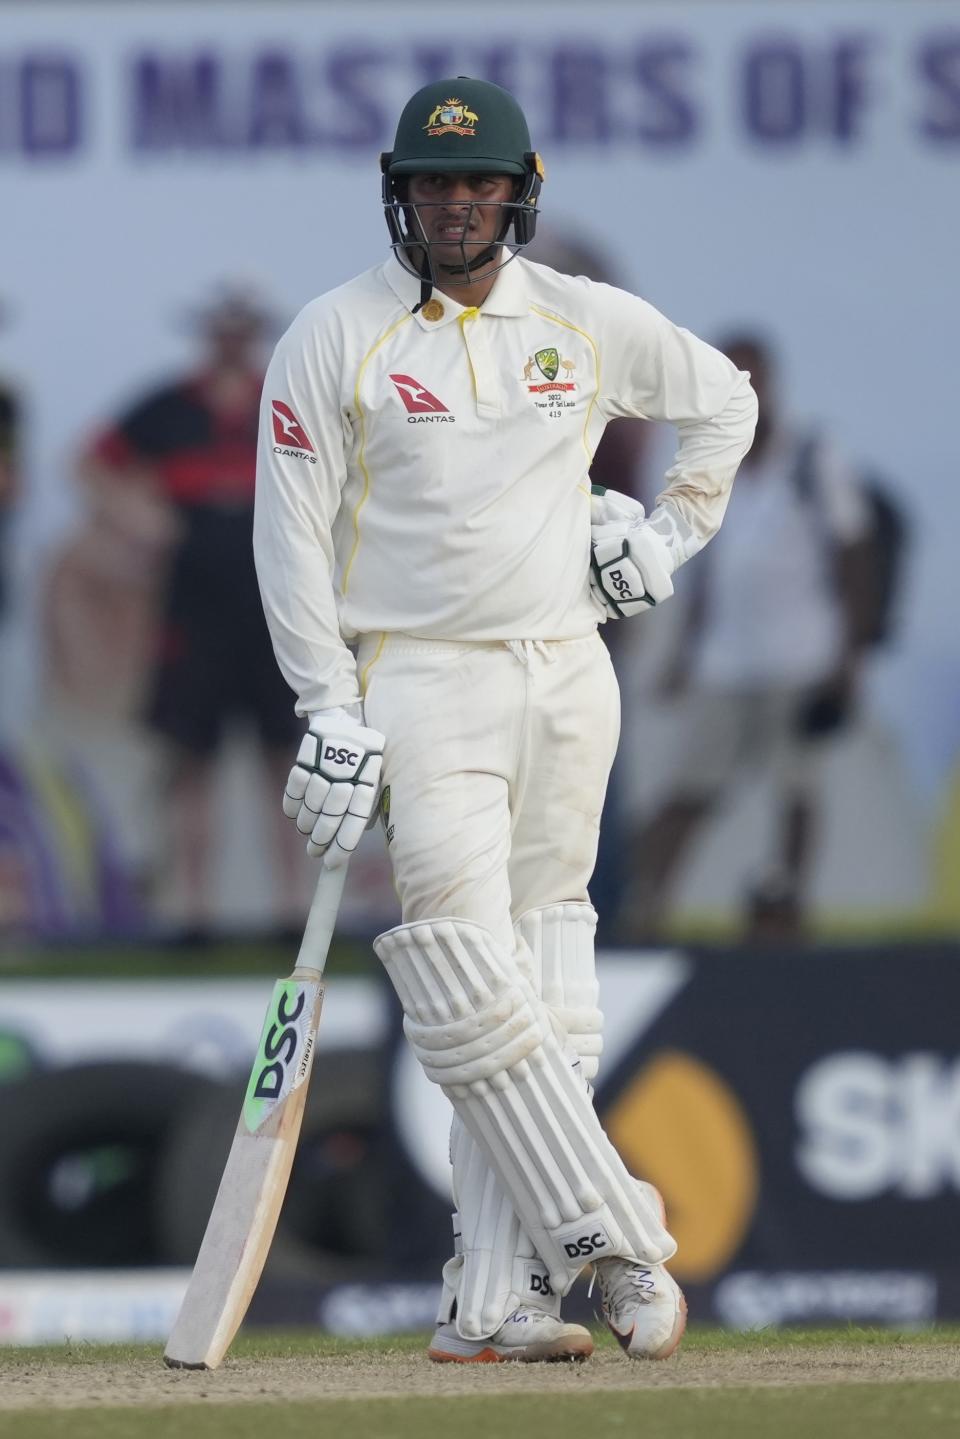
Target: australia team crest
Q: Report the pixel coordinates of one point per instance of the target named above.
(452, 118)
(549, 362)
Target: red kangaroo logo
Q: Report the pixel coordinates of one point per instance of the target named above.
(417, 400)
(287, 429)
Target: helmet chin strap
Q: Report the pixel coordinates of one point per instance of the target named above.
(426, 281)
(426, 290)
(490, 253)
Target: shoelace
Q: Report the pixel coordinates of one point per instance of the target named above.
(527, 1316)
(630, 1284)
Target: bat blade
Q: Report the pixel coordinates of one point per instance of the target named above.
(245, 1212)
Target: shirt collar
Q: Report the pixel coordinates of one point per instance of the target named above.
(508, 297)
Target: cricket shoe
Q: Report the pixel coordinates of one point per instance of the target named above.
(527, 1336)
(643, 1306)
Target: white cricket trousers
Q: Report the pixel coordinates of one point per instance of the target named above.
(495, 768)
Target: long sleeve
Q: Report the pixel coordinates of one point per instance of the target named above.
(301, 471)
(658, 371)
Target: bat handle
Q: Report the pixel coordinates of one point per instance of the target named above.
(318, 931)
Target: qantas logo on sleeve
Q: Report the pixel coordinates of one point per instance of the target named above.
(290, 436)
(422, 407)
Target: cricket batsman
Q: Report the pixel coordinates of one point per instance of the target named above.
(433, 569)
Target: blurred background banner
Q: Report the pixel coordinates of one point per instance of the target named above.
(798, 1111)
(788, 170)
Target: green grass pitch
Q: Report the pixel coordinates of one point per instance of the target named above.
(781, 1386)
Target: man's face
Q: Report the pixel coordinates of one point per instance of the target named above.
(233, 346)
(459, 214)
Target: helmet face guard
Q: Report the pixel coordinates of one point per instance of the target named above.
(415, 252)
(460, 126)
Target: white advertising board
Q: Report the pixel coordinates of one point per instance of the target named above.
(794, 167)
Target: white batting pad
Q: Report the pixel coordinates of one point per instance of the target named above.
(560, 938)
(483, 1036)
(500, 1267)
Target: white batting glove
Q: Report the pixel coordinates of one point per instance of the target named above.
(630, 563)
(608, 507)
(332, 789)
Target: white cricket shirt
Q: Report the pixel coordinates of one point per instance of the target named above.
(428, 473)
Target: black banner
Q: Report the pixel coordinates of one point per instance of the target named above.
(800, 1112)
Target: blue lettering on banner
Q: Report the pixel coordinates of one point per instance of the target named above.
(581, 92)
(792, 94)
(848, 87)
(352, 79)
(277, 119)
(42, 106)
(643, 90)
(203, 101)
(50, 114)
(668, 116)
(939, 65)
(774, 91)
(176, 102)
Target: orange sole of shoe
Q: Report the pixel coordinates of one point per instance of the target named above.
(570, 1353)
(486, 1356)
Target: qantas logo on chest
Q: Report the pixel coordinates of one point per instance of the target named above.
(290, 436)
(422, 407)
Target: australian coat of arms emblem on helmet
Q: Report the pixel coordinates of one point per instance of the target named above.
(452, 117)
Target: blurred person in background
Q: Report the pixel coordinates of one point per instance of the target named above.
(766, 672)
(172, 478)
(11, 906)
(59, 872)
(9, 473)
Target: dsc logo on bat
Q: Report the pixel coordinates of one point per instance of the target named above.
(279, 1048)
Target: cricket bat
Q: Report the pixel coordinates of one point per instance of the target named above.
(245, 1212)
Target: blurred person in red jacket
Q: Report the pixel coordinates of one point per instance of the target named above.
(9, 471)
(175, 474)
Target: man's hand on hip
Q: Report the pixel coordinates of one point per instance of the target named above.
(630, 563)
(332, 789)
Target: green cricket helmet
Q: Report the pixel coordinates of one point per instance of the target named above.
(463, 126)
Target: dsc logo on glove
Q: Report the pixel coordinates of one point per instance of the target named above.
(340, 756)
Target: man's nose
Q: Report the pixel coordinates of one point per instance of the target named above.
(459, 194)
